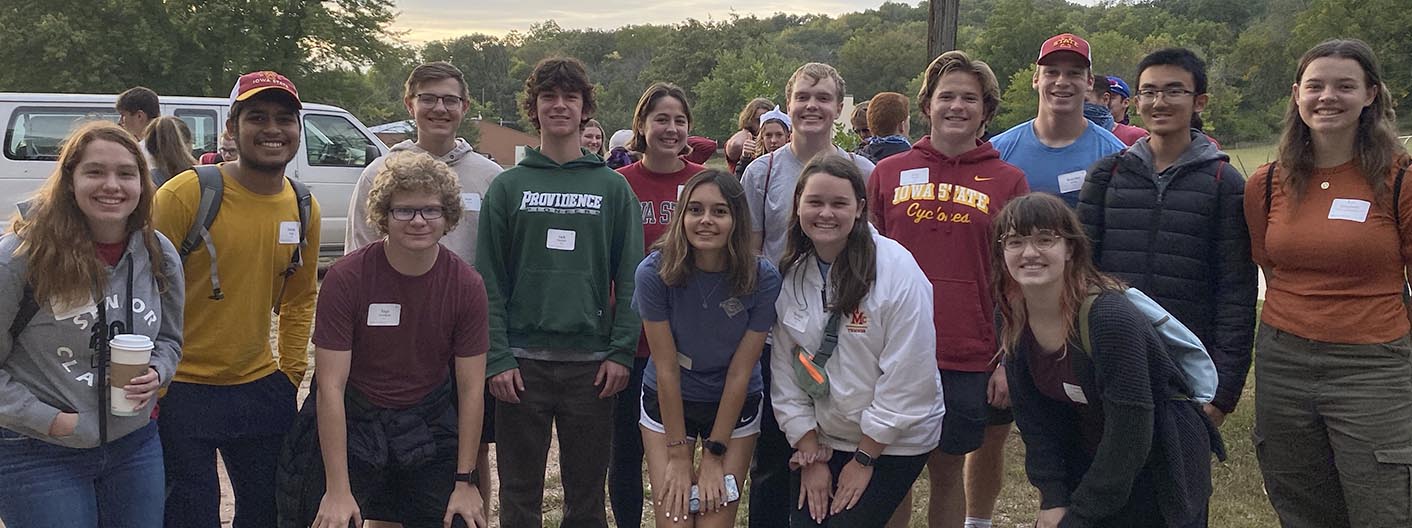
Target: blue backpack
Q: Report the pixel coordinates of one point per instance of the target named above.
(1198, 371)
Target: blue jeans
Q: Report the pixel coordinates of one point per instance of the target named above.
(49, 486)
(246, 423)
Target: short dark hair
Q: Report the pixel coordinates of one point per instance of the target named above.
(1180, 57)
(139, 98)
(1100, 84)
(564, 73)
(887, 111)
(434, 71)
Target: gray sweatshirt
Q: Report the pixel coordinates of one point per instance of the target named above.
(475, 172)
(49, 368)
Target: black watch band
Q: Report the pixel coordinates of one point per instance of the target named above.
(714, 447)
(863, 459)
(472, 478)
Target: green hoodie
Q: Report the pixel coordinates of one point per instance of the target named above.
(555, 243)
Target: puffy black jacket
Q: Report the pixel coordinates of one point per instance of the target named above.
(1180, 237)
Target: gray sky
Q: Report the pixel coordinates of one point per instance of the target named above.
(425, 20)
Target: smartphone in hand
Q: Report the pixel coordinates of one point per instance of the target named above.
(732, 494)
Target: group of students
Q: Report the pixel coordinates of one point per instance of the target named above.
(666, 306)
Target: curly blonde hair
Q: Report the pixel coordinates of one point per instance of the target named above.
(413, 172)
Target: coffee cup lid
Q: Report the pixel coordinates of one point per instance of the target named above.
(131, 341)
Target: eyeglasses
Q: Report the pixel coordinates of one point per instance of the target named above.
(1042, 240)
(1170, 93)
(406, 214)
(427, 100)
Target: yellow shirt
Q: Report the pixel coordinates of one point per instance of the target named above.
(227, 342)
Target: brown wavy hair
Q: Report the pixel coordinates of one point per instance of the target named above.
(565, 73)
(1024, 216)
(169, 141)
(408, 171)
(678, 257)
(855, 271)
(1376, 148)
(55, 237)
(747, 119)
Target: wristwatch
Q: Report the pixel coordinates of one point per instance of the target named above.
(472, 478)
(714, 447)
(863, 459)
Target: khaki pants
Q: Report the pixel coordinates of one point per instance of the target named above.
(1333, 430)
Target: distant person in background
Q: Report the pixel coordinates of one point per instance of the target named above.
(87, 230)
(168, 142)
(1117, 98)
(887, 120)
(618, 154)
(1100, 99)
(661, 124)
(227, 152)
(592, 136)
(1094, 108)
(859, 122)
(137, 107)
(1333, 401)
(775, 132)
(741, 144)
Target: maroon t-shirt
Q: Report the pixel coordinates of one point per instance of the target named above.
(402, 331)
(657, 194)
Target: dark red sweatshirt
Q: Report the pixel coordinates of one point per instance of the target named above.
(940, 208)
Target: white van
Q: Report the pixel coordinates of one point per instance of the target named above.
(335, 148)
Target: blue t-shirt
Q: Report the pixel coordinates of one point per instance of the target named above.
(1058, 171)
(706, 338)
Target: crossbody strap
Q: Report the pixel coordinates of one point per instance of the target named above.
(830, 342)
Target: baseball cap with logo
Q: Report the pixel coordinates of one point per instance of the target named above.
(255, 82)
(1117, 86)
(1065, 42)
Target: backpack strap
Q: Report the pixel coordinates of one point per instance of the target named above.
(305, 199)
(1085, 308)
(212, 192)
(830, 341)
(28, 308)
(765, 199)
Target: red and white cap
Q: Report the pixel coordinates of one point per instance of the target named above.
(255, 82)
(1065, 42)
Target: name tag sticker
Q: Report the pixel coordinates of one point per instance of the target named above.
(1349, 209)
(289, 232)
(384, 314)
(684, 360)
(560, 239)
(680, 188)
(914, 176)
(470, 201)
(1071, 181)
(796, 320)
(1075, 393)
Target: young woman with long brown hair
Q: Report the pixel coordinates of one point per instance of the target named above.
(1111, 439)
(168, 140)
(82, 265)
(1332, 231)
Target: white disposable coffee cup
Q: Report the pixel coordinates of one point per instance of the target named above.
(130, 356)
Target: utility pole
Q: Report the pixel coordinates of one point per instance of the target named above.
(941, 27)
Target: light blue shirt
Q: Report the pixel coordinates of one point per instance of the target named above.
(1058, 171)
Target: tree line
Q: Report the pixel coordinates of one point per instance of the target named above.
(345, 52)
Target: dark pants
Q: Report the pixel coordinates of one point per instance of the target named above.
(558, 396)
(116, 485)
(769, 469)
(625, 471)
(892, 478)
(1333, 430)
(246, 423)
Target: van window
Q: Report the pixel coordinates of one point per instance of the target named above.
(203, 129)
(331, 140)
(36, 132)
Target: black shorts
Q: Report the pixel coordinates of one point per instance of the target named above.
(700, 417)
(967, 411)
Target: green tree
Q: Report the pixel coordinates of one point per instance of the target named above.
(739, 76)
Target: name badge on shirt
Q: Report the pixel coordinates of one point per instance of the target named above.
(289, 232)
(384, 314)
(684, 360)
(796, 320)
(1071, 181)
(560, 239)
(470, 201)
(732, 306)
(1076, 393)
(913, 176)
(680, 188)
(1349, 209)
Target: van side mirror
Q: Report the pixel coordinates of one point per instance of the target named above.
(370, 153)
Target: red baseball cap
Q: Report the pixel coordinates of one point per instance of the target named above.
(255, 82)
(1065, 42)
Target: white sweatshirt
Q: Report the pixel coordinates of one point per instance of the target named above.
(883, 380)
